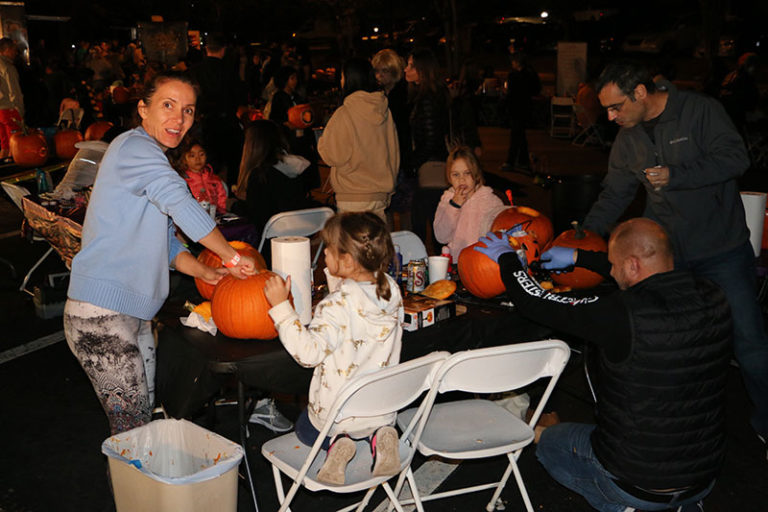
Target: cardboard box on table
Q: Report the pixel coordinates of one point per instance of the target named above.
(173, 465)
(421, 312)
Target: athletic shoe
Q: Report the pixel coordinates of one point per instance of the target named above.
(265, 413)
(338, 456)
(386, 452)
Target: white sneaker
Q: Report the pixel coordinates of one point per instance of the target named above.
(265, 413)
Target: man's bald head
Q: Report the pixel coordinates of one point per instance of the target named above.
(637, 249)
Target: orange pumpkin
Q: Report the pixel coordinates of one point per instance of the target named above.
(96, 131)
(532, 221)
(121, 95)
(478, 273)
(210, 258)
(240, 308)
(30, 149)
(301, 116)
(64, 143)
(579, 238)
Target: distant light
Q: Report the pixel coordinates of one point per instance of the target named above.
(544, 14)
(293, 35)
(73, 46)
(375, 29)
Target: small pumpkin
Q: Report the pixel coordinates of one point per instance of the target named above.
(241, 310)
(211, 259)
(440, 290)
(121, 95)
(532, 221)
(64, 143)
(29, 149)
(96, 130)
(301, 116)
(579, 238)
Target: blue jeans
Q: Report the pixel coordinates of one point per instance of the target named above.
(734, 272)
(565, 451)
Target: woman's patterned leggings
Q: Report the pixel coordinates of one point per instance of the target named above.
(117, 353)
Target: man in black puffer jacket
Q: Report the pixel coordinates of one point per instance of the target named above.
(665, 341)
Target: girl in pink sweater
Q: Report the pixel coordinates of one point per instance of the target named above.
(204, 184)
(467, 209)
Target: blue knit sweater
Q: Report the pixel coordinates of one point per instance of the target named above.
(129, 238)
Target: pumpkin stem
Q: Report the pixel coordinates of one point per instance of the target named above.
(580, 234)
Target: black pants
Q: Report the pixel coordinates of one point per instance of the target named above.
(517, 155)
(425, 201)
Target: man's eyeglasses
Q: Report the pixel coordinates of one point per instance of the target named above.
(616, 107)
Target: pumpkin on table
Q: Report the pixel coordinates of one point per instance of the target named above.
(64, 143)
(29, 148)
(579, 238)
(241, 310)
(96, 130)
(211, 259)
(480, 275)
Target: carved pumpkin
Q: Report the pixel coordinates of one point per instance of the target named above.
(579, 238)
(64, 143)
(240, 308)
(210, 258)
(480, 274)
(301, 116)
(30, 149)
(532, 221)
(96, 131)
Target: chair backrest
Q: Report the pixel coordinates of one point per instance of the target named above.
(15, 192)
(411, 246)
(498, 369)
(388, 390)
(305, 222)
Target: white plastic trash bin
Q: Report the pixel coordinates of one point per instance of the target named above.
(172, 465)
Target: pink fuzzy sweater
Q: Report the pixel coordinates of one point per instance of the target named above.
(460, 227)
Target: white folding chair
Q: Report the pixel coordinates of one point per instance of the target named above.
(382, 392)
(589, 132)
(478, 428)
(305, 222)
(411, 246)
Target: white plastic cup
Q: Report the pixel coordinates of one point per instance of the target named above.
(438, 268)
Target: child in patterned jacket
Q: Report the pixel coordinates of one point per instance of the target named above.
(356, 330)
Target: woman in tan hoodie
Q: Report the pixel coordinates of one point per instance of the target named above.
(360, 144)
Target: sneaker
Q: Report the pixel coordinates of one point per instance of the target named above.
(265, 413)
(765, 445)
(336, 460)
(507, 167)
(386, 452)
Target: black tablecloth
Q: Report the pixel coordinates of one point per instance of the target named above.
(188, 360)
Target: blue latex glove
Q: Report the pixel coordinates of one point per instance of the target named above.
(495, 245)
(558, 258)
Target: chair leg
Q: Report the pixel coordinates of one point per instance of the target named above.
(366, 499)
(244, 440)
(23, 287)
(392, 498)
(511, 468)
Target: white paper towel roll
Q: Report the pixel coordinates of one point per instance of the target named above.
(291, 256)
(754, 211)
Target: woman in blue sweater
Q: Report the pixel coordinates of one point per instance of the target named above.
(120, 277)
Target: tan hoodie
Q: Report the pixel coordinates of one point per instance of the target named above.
(360, 145)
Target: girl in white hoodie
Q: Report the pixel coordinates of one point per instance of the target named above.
(356, 330)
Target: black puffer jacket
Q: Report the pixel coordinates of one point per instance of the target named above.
(661, 421)
(429, 127)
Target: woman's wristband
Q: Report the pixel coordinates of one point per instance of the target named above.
(452, 203)
(233, 262)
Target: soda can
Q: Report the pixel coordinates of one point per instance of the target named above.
(417, 276)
